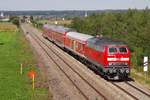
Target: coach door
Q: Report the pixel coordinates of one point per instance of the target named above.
(74, 45)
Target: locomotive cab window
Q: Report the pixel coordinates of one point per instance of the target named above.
(122, 50)
(99, 48)
(112, 50)
(90, 45)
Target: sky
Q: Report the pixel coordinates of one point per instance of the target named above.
(72, 4)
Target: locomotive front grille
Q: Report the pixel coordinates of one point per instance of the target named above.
(118, 64)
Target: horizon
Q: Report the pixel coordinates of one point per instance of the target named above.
(82, 10)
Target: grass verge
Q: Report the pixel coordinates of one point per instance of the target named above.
(14, 50)
(141, 77)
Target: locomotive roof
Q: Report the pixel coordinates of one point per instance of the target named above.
(60, 29)
(79, 36)
(104, 41)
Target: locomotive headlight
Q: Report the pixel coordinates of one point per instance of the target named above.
(127, 70)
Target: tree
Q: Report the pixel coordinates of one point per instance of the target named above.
(15, 20)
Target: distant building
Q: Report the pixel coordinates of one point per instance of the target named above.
(56, 22)
(27, 19)
(4, 18)
(2, 15)
(63, 18)
(85, 14)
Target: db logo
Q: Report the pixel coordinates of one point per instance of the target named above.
(118, 58)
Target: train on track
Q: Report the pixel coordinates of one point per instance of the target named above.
(111, 58)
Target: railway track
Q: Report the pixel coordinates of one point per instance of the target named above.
(137, 94)
(124, 91)
(138, 89)
(87, 97)
(59, 59)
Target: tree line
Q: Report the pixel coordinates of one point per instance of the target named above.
(14, 20)
(132, 27)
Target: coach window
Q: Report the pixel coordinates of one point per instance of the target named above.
(80, 46)
(112, 50)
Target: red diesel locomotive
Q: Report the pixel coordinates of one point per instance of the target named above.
(110, 57)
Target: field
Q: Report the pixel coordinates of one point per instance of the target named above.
(14, 50)
(7, 27)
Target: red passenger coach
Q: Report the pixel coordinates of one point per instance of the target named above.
(47, 31)
(55, 33)
(75, 42)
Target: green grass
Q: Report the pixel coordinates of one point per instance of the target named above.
(15, 50)
(141, 77)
